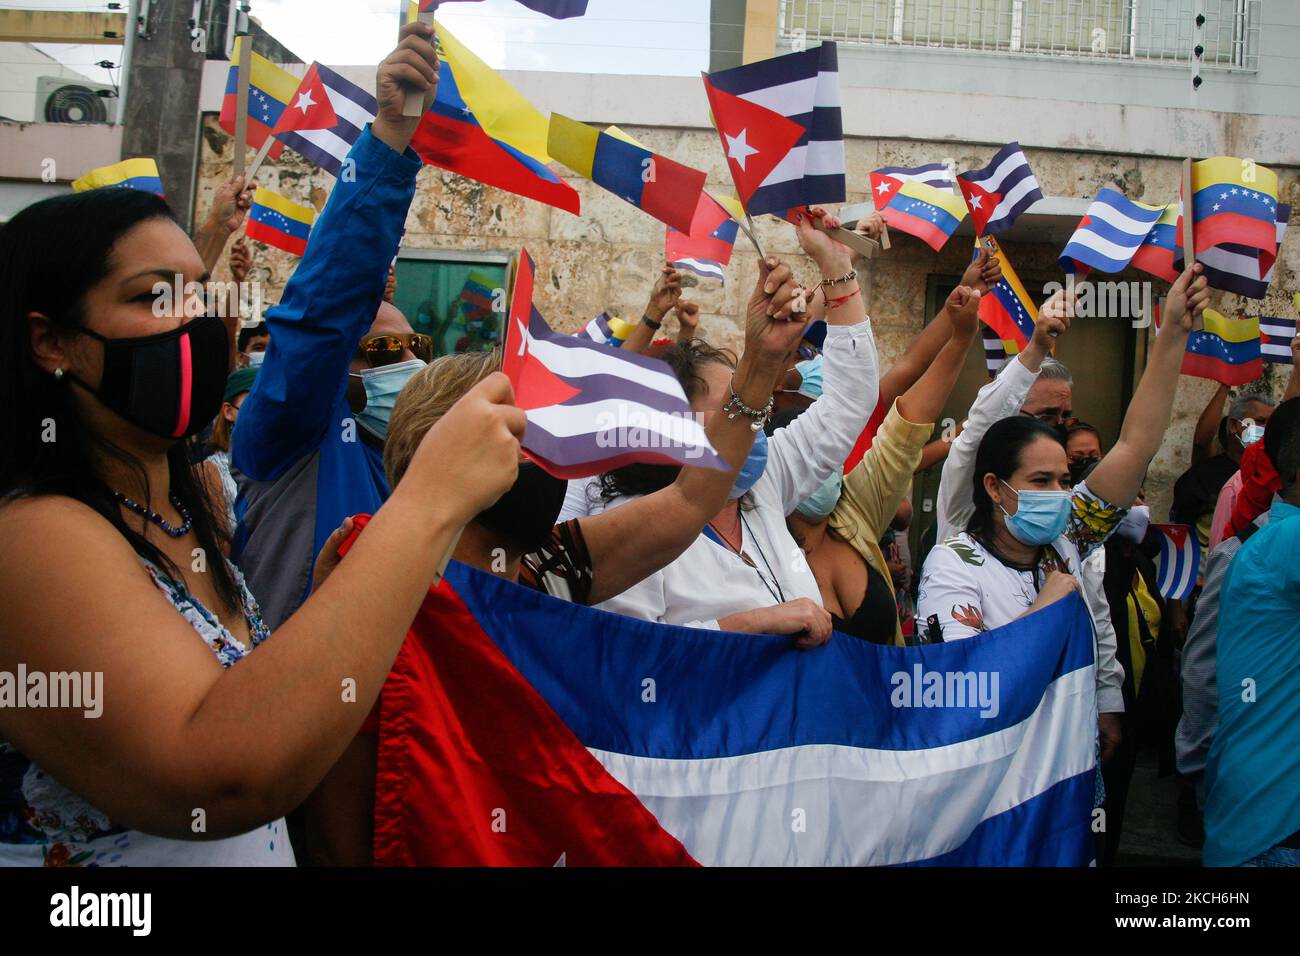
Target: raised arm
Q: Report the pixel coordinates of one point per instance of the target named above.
(229, 208)
(1118, 476)
(333, 296)
(1207, 426)
(999, 399)
(664, 297)
(633, 541)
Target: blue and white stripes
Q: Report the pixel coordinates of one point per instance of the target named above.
(1109, 234)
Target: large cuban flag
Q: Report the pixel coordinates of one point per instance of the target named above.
(518, 729)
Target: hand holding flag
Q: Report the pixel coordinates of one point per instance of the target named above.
(409, 72)
(1187, 299)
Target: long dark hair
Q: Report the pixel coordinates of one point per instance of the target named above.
(1000, 453)
(686, 359)
(51, 255)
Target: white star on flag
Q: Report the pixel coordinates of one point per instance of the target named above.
(883, 187)
(976, 202)
(305, 102)
(738, 149)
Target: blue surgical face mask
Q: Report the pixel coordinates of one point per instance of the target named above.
(822, 502)
(383, 385)
(255, 359)
(1041, 516)
(810, 377)
(752, 470)
(1251, 434)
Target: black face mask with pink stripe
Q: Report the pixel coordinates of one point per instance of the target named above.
(170, 384)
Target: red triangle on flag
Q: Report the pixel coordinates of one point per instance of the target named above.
(980, 202)
(535, 385)
(883, 189)
(754, 138)
(309, 108)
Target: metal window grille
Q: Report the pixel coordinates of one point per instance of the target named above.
(1147, 30)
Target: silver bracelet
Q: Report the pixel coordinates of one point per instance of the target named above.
(758, 416)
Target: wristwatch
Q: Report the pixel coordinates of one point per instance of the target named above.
(651, 322)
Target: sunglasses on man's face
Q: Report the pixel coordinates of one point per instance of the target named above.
(381, 350)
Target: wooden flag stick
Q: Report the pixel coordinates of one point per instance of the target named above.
(418, 104)
(446, 559)
(751, 231)
(259, 159)
(243, 50)
(1189, 244)
(863, 245)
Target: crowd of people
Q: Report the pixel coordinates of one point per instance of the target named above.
(168, 476)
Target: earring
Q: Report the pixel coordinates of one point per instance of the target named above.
(58, 374)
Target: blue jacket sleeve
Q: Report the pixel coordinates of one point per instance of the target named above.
(327, 306)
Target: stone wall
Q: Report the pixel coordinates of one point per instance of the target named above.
(607, 257)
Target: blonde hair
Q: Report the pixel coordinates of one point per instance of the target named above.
(428, 396)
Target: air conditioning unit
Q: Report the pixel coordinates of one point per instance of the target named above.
(63, 100)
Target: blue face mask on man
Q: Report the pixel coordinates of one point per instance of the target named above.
(752, 470)
(1041, 516)
(383, 385)
(1251, 434)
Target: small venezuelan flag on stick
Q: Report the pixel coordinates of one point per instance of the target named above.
(279, 222)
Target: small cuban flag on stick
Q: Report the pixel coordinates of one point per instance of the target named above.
(997, 194)
(279, 222)
(592, 408)
(1179, 563)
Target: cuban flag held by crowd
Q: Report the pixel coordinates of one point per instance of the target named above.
(517, 729)
(593, 409)
(1001, 191)
(781, 129)
(1179, 563)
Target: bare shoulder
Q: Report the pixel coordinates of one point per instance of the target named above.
(52, 541)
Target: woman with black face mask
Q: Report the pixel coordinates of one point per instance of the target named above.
(127, 735)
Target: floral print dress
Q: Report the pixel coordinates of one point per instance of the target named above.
(44, 823)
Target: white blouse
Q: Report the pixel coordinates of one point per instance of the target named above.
(708, 581)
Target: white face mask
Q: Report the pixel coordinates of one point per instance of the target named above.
(1134, 526)
(255, 359)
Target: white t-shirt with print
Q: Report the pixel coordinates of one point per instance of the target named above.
(971, 591)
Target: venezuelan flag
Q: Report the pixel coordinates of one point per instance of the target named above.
(139, 174)
(917, 208)
(1234, 200)
(270, 90)
(653, 183)
(1159, 249)
(481, 128)
(279, 222)
(1227, 351)
(1007, 309)
(476, 296)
